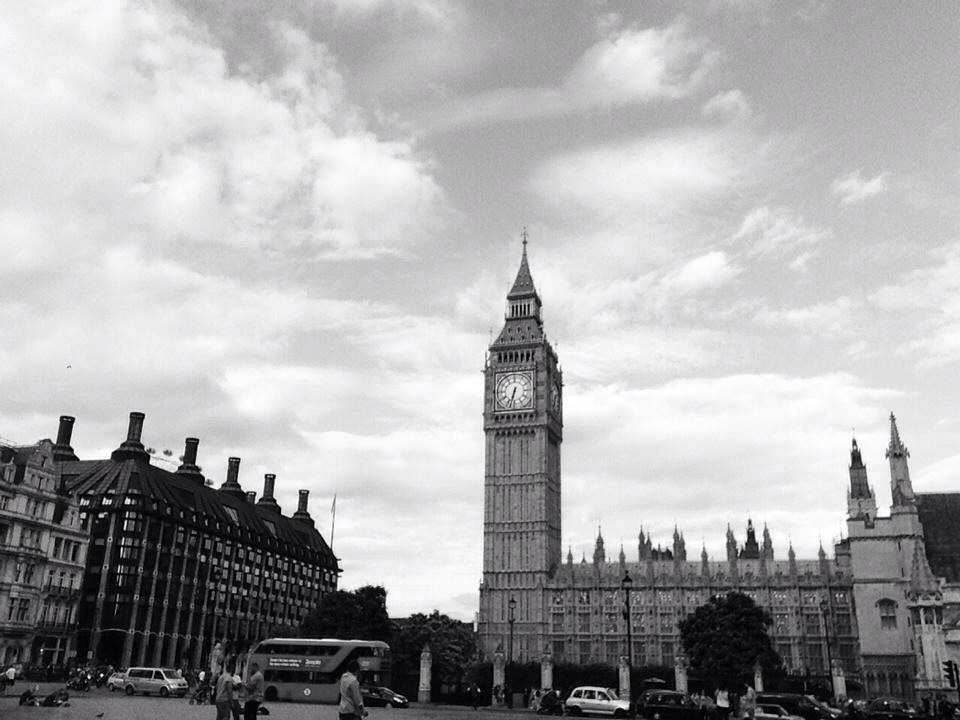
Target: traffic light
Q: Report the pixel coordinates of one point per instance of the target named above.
(950, 672)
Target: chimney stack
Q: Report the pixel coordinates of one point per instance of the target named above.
(132, 448)
(268, 501)
(232, 483)
(301, 514)
(62, 450)
(251, 496)
(188, 468)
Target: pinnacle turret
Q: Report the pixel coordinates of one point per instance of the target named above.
(901, 489)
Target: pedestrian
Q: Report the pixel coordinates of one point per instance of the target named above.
(223, 696)
(351, 701)
(254, 692)
(722, 699)
(475, 692)
(749, 701)
(11, 676)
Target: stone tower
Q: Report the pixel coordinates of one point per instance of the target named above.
(522, 422)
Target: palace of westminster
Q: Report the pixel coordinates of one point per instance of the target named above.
(120, 561)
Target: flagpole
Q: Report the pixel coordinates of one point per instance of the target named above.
(333, 518)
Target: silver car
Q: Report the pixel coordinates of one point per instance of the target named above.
(162, 681)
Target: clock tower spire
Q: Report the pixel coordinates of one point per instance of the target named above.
(522, 423)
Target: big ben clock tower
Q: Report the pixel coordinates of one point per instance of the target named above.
(522, 422)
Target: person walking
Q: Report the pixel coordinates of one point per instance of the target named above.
(748, 703)
(223, 695)
(351, 701)
(254, 692)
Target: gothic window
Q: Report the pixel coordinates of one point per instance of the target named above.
(887, 610)
(840, 597)
(781, 623)
(583, 598)
(811, 624)
(844, 625)
(558, 598)
(611, 624)
(557, 622)
(583, 622)
(666, 623)
(666, 654)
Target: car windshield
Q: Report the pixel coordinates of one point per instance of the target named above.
(169, 674)
(611, 694)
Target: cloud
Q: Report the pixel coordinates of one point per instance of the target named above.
(932, 297)
(729, 105)
(851, 188)
(778, 233)
(832, 319)
(143, 122)
(629, 66)
(664, 448)
(708, 271)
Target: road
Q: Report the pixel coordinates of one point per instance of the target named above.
(116, 706)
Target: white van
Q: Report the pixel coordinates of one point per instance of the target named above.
(147, 680)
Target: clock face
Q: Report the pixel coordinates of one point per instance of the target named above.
(555, 397)
(514, 391)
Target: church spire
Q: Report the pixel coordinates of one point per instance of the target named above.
(901, 488)
(861, 503)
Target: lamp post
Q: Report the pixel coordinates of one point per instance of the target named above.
(626, 583)
(512, 607)
(825, 610)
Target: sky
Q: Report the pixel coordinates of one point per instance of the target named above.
(288, 228)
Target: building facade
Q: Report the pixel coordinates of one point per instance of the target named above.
(874, 609)
(43, 550)
(174, 566)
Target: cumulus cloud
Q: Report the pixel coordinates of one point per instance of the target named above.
(188, 152)
(728, 105)
(629, 66)
(851, 188)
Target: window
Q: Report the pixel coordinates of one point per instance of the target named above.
(888, 614)
(557, 622)
(583, 624)
(666, 654)
(811, 624)
(781, 623)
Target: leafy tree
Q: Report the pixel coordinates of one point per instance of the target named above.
(352, 615)
(453, 646)
(726, 638)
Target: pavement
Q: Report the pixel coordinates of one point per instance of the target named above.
(101, 704)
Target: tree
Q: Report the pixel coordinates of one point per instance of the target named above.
(726, 638)
(360, 614)
(453, 646)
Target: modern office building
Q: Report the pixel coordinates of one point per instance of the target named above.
(175, 566)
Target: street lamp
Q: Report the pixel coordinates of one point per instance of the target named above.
(626, 584)
(825, 610)
(512, 606)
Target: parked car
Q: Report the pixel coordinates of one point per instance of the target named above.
(591, 700)
(888, 708)
(669, 705)
(379, 696)
(805, 706)
(146, 680)
(116, 681)
(767, 711)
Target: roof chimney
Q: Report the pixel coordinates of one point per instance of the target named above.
(301, 514)
(232, 484)
(188, 468)
(62, 450)
(132, 448)
(267, 501)
(251, 496)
